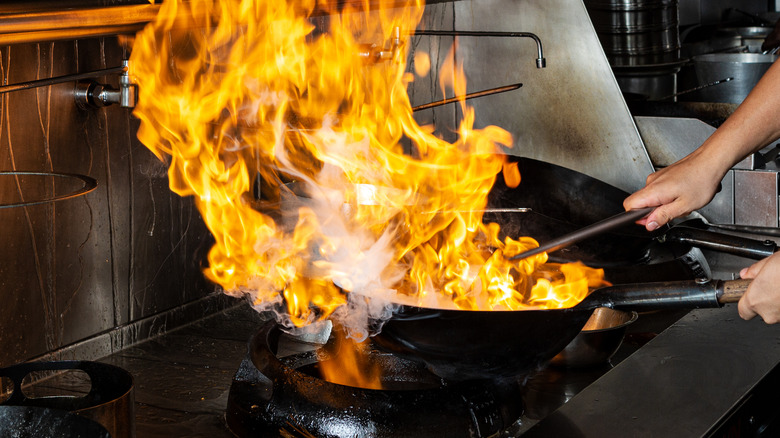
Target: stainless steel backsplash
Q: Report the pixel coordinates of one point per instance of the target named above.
(76, 269)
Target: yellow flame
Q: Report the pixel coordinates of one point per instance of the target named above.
(349, 363)
(237, 94)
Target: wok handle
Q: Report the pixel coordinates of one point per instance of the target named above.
(690, 294)
(721, 242)
(732, 290)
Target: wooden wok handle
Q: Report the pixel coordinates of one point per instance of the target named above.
(732, 290)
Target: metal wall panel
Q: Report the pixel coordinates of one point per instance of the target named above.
(572, 112)
(756, 198)
(73, 269)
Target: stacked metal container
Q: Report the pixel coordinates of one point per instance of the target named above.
(641, 39)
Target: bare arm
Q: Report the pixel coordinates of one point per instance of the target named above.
(691, 183)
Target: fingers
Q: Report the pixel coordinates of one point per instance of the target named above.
(664, 214)
(746, 311)
(762, 297)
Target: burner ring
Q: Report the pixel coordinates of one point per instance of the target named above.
(269, 398)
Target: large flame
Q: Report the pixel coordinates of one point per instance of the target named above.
(241, 94)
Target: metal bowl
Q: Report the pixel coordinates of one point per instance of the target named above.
(598, 341)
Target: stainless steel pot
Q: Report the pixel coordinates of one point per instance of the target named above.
(745, 68)
(751, 37)
(109, 402)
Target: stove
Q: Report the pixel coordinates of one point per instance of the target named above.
(704, 372)
(278, 391)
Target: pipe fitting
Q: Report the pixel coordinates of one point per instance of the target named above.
(95, 95)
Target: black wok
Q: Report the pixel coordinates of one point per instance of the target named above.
(465, 345)
(562, 200)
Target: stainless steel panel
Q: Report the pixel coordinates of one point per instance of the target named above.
(426, 88)
(78, 268)
(572, 112)
(721, 209)
(756, 198)
(670, 139)
(680, 384)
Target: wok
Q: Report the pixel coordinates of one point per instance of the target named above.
(561, 201)
(464, 345)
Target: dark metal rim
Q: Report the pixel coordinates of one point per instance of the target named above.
(89, 185)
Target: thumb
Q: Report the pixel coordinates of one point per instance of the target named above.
(662, 215)
(753, 270)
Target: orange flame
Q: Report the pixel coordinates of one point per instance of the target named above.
(348, 363)
(237, 94)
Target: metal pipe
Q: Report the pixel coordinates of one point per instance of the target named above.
(30, 27)
(540, 61)
(467, 96)
(61, 79)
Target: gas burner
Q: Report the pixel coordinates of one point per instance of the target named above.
(274, 394)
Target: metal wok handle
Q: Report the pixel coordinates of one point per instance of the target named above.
(732, 290)
(721, 242)
(667, 295)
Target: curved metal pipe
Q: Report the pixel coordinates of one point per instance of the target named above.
(541, 62)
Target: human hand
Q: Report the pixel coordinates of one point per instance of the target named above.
(762, 297)
(676, 191)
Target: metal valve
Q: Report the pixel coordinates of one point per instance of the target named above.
(90, 94)
(373, 53)
(95, 95)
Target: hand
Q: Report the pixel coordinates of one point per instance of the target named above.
(762, 297)
(677, 190)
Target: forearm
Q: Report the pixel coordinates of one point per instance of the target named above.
(754, 124)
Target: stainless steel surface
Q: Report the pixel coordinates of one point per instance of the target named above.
(598, 341)
(751, 37)
(711, 45)
(443, 119)
(669, 139)
(42, 187)
(644, 43)
(745, 68)
(84, 271)
(107, 398)
(682, 383)
(700, 87)
(571, 113)
(756, 198)
(607, 18)
(94, 95)
(649, 86)
(584, 233)
(637, 32)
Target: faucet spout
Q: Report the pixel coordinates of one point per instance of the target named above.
(541, 62)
